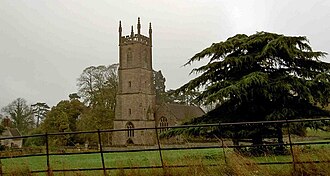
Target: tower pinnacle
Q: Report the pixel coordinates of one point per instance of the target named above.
(150, 33)
(135, 37)
(132, 32)
(139, 26)
(120, 31)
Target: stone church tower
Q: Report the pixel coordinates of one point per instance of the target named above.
(136, 97)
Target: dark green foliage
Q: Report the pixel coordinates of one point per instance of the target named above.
(159, 82)
(35, 141)
(187, 97)
(74, 96)
(63, 118)
(169, 96)
(263, 66)
(264, 76)
(39, 110)
(2, 147)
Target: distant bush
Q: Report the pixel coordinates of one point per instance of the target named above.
(35, 141)
(2, 147)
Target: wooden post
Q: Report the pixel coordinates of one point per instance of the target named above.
(222, 144)
(1, 173)
(159, 148)
(291, 148)
(47, 155)
(101, 151)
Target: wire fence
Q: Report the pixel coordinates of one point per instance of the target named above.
(101, 149)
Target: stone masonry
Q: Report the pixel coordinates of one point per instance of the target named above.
(136, 97)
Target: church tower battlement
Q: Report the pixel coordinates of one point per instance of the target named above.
(136, 97)
(135, 37)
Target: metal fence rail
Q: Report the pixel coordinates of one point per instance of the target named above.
(159, 148)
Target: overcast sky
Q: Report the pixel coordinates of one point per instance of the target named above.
(46, 44)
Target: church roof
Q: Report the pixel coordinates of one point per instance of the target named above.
(184, 112)
(10, 132)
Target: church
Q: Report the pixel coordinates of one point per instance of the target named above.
(136, 105)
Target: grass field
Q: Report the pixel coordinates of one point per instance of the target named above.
(197, 159)
(113, 159)
(201, 157)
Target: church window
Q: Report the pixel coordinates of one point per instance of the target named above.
(163, 123)
(130, 131)
(130, 111)
(129, 84)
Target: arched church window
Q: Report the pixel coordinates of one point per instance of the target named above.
(163, 123)
(129, 57)
(130, 131)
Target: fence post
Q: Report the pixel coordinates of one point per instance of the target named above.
(47, 155)
(222, 144)
(159, 148)
(291, 149)
(101, 151)
(1, 173)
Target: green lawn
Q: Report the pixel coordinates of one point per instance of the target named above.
(135, 159)
(115, 159)
(318, 133)
(140, 159)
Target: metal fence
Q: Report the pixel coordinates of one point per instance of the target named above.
(101, 150)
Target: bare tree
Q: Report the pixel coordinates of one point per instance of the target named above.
(99, 85)
(20, 113)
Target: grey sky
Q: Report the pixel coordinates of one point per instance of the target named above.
(45, 44)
